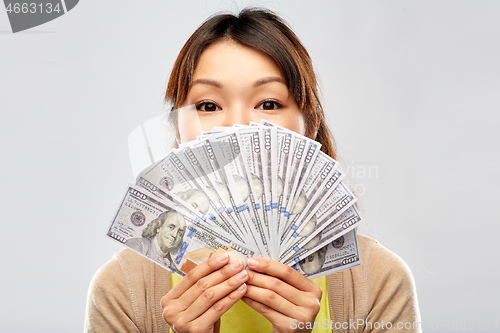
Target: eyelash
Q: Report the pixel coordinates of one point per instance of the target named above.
(276, 104)
(205, 103)
(202, 104)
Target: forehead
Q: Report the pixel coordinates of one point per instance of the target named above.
(228, 59)
(170, 219)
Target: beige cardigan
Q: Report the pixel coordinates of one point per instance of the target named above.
(125, 294)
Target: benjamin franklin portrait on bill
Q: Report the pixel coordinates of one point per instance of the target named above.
(161, 238)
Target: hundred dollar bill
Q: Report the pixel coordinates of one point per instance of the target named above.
(235, 203)
(220, 129)
(172, 198)
(322, 165)
(347, 221)
(241, 183)
(340, 199)
(196, 215)
(268, 136)
(342, 253)
(312, 202)
(213, 165)
(189, 158)
(172, 176)
(285, 141)
(318, 177)
(250, 141)
(205, 134)
(168, 234)
(304, 152)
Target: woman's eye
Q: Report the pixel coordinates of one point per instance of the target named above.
(207, 107)
(269, 105)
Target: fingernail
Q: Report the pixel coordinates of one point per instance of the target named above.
(252, 263)
(242, 288)
(236, 264)
(241, 275)
(222, 257)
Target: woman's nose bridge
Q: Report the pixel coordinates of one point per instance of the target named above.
(238, 115)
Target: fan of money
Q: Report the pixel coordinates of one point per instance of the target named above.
(255, 190)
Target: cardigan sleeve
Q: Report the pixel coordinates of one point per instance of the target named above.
(392, 299)
(109, 302)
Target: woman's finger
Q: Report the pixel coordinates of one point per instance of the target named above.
(273, 300)
(281, 322)
(210, 319)
(194, 275)
(219, 308)
(211, 296)
(285, 273)
(280, 287)
(213, 279)
(270, 314)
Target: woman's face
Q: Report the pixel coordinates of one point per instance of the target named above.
(234, 84)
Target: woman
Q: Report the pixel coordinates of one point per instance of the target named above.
(237, 70)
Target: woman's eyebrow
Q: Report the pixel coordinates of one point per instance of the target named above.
(255, 85)
(269, 80)
(208, 82)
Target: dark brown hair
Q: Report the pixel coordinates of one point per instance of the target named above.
(267, 33)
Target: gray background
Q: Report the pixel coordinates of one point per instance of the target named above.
(410, 89)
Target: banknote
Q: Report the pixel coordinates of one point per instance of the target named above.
(188, 156)
(322, 168)
(171, 175)
(237, 207)
(240, 183)
(313, 201)
(339, 254)
(268, 136)
(214, 166)
(257, 189)
(187, 208)
(285, 141)
(168, 234)
(322, 165)
(304, 152)
(250, 141)
(339, 200)
(338, 227)
(174, 178)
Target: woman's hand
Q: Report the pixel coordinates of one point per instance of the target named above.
(198, 301)
(285, 297)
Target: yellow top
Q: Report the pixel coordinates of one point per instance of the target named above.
(125, 294)
(243, 319)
